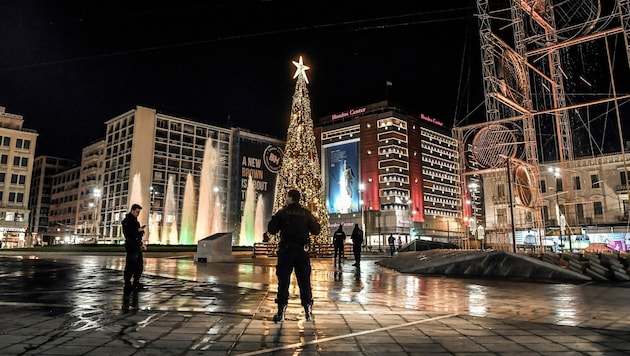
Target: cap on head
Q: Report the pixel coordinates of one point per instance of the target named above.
(295, 195)
(136, 206)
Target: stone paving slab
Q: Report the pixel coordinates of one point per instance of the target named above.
(86, 313)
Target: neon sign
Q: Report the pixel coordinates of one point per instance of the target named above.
(431, 120)
(348, 113)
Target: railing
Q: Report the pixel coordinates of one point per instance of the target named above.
(317, 250)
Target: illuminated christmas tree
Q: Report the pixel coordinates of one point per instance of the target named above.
(301, 168)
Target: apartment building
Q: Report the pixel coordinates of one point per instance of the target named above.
(17, 153)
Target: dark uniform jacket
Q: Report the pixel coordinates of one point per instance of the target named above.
(357, 237)
(130, 226)
(295, 223)
(339, 238)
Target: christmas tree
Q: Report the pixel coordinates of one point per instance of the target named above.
(300, 163)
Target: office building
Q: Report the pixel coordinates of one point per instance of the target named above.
(392, 172)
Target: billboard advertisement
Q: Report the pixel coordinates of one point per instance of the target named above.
(261, 161)
(341, 172)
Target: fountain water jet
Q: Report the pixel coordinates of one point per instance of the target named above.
(246, 237)
(187, 230)
(169, 227)
(209, 207)
(260, 225)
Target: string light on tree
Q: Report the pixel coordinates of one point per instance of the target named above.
(301, 168)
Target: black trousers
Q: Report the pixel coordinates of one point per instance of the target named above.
(338, 253)
(134, 265)
(290, 258)
(356, 249)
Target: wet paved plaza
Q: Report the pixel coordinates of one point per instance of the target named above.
(73, 304)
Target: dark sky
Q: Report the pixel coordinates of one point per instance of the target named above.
(69, 66)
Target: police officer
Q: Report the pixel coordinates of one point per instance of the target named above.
(134, 245)
(339, 237)
(357, 241)
(294, 223)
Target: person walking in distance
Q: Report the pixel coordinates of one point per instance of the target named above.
(134, 245)
(357, 241)
(339, 237)
(295, 223)
(390, 241)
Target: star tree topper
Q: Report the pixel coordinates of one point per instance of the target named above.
(301, 69)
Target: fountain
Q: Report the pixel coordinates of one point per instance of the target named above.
(209, 207)
(135, 197)
(169, 227)
(189, 213)
(260, 223)
(246, 237)
(253, 222)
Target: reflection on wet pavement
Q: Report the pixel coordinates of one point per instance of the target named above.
(238, 297)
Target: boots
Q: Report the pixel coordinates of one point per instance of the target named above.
(308, 312)
(280, 315)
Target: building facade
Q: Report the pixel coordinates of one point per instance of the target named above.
(148, 158)
(90, 185)
(62, 221)
(392, 172)
(587, 200)
(17, 153)
(40, 197)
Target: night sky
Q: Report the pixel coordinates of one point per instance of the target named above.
(69, 66)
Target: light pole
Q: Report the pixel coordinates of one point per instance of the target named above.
(361, 189)
(562, 220)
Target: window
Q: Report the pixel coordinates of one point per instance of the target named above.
(27, 144)
(501, 216)
(559, 184)
(2, 177)
(597, 208)
(16, 161)
(18, 143)
(576, 183)
(4, 159)
(543, 186)
(22, 179)
(501, 190)
(545, 213)
(580, 213)
(595, 182)
(14, 178)
(6, 141)
(24, 162)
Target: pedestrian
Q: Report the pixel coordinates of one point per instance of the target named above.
(357, 241)
(134, 245)
(399, 241)
(390, 241)
(294, 223)
(339, 237)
